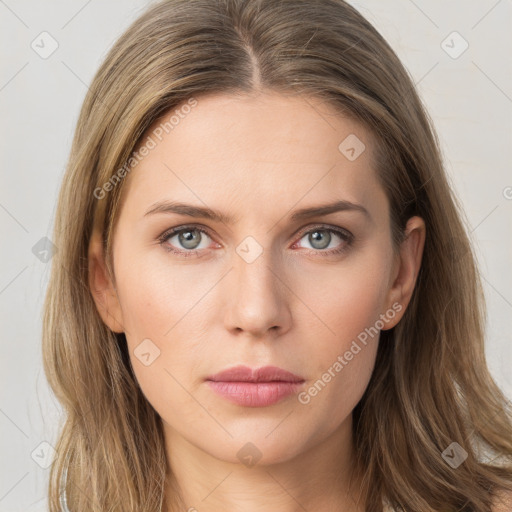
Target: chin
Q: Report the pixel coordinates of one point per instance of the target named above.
(252, 449)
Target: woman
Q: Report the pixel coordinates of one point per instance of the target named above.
(264, 296)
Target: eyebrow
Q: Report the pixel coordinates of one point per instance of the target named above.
(217, 216)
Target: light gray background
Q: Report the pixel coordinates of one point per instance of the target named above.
(469, 99)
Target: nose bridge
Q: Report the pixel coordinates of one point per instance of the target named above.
(254, 269)
(258, 296)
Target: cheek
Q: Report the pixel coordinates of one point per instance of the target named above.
(165, 314)
(157, 296)
(346, 335)
(344, 302)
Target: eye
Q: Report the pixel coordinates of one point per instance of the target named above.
(187, 240)
(190, 240)
(323, 239)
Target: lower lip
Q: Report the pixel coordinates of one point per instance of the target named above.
(254, 394)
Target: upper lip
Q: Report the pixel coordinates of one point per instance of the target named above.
(264, 374)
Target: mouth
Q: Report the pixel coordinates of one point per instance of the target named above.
(259, 387)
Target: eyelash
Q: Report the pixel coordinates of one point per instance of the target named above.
(346, 236)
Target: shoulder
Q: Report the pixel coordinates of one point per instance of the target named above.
(503, 502)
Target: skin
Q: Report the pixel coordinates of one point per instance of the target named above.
(257, 158)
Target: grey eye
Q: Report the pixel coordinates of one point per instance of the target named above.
(189, 238)
(320, 239)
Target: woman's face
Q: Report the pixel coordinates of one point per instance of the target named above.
(255, 280)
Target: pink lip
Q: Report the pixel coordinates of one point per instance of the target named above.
(257, 387)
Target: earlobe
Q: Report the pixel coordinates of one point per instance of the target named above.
(102, 288)
(408, 267)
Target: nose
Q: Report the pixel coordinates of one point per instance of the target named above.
(258, 302)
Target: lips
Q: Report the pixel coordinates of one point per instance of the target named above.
(258, 387)
(263, 374)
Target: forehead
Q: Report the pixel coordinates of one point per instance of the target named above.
(255, 150)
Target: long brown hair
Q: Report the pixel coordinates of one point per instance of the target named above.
(430, 386)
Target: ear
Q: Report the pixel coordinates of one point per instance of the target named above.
(102, 287)
(406, 268)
